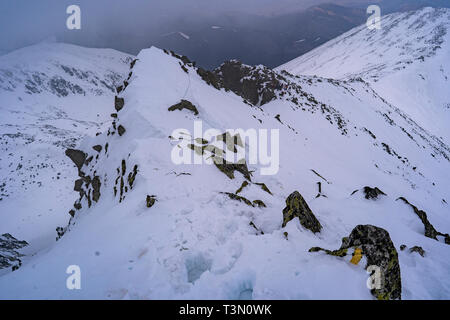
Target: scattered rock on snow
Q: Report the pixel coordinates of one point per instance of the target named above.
(150, 201)
(234, 196)
(121, 130)
(119, 103)
(97, 148)
(184, 104)
(418, 249)
(372, 193)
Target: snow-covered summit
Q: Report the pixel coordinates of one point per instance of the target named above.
(407, 62)
(144, 226)
(51, 96)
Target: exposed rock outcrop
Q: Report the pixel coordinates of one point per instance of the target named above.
(372, 193)
(184, 104)
(255, 84)
(150, 201)
(296, 206)
(418, 249)
(228, 168)
(119, 103)
(77, 156)
(377, 247)
(9, 256)
(121, 130)
(430, 231)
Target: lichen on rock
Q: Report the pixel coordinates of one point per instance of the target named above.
(296, 206)
(377, 247)
(228, 168)
(236, 197)
(150, 201)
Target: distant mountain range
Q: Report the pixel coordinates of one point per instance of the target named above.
(270, 39)
(407, 61)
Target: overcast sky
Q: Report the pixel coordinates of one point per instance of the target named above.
(25, 22)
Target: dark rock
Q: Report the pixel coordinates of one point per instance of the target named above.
(77, 205)
(121, 130)
(372, 193)
(430, 231)
(377, 246)
(124, 166)
(229, 168)
(119, 103)
(296, 206)
(77, 156)
(60, 231)
(236, 197)
(243, 185)
(9, 256)
(184, 104)
(78, 185)
(259, 203)
(114, 115)
(255, 84)
(88, 160)
(132, 176)
(402, 247)
(209, 77)
(264, 187)
(97, 148)
(150, 201)
(418, 249)
(96, 184)
(256, 228)
(278, 118)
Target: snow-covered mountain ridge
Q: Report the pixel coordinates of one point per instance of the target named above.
(406, 62)
(145, 227)
(51, 96)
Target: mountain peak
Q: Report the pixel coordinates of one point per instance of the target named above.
(407, 60)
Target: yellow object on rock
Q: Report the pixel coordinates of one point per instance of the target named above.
(357, 256)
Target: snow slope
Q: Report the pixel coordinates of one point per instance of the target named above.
(51, 96)
(196, 242)
(407, 62)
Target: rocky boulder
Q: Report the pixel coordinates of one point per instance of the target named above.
(77, 156)
(296, 206)
(377, 247)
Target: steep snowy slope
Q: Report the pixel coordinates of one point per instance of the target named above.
(51, 96)
(407, 62)
(145, 227)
